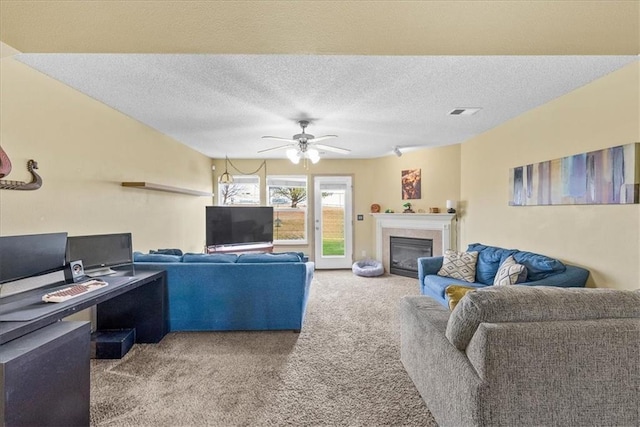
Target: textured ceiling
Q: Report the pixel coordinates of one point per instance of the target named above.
(218, 75)
(222, 104)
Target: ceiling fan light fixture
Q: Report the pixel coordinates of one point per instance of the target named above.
(294, 155)
(313, 155)
(302, 146)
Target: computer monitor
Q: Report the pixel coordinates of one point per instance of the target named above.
(100, 252)
(31, 255)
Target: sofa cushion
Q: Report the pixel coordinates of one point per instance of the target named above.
(210, 258)
(435, 286)
(266, 257)
(538, 266)
(455, 294)
(459, 265)
(489, 260)
(510, 273)
(500, 304)
(140, 257)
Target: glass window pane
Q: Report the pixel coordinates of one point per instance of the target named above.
(333, 207)
(244, 190)
(288, 196)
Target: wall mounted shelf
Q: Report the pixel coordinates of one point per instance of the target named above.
(166, 188)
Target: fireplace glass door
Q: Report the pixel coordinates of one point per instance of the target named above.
(405, 252)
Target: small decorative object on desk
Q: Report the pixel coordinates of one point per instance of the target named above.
(375, 208)
(407, 208)
(451, 206)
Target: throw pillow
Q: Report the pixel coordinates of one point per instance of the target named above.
(510, 273)
(489, 260)
(140, 257)
(459, 265)
(455, 294)
(167, 252)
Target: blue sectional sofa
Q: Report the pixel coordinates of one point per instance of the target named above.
(228, 292)
(541, 270)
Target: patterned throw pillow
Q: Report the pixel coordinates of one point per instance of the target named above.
(510, 273)
(459, 265)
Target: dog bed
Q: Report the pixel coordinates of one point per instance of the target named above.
(367, 268)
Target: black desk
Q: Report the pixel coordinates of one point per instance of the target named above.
(122, 306)
(31, 348)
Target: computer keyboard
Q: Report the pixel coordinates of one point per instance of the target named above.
(74, 291)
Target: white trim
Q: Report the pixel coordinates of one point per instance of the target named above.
(441, 222)
(333, 261)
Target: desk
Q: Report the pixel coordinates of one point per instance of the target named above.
(127, 305)
(44, 344)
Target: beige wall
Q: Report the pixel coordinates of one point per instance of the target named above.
(603, 238)
(374, 181)
(84, 151)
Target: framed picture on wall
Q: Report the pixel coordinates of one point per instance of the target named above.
(607, 176)
(411, 184)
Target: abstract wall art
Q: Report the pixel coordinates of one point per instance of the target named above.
(608, 176)
(411, 183)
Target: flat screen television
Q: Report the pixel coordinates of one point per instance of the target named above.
(228, 225)
(31, 255)
(100, 252)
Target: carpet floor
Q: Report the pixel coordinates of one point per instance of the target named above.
(342, 369)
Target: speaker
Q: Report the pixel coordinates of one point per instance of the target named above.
(74, 272)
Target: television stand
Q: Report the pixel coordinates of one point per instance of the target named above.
(240, 248)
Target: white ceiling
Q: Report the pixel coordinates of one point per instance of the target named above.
(221, 104)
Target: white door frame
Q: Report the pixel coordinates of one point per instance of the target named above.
(333, 261)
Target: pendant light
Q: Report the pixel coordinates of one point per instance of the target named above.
(226, 177)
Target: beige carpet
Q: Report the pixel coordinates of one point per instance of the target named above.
(342, 369)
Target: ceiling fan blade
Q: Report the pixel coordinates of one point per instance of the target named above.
(277, 138)
(280, 147)
(322, 138)
(332, 149)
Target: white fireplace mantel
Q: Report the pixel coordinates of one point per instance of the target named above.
(442, 222)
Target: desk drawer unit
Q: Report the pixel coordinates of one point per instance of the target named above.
(45, 375)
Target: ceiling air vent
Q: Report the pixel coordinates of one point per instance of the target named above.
(464, 111)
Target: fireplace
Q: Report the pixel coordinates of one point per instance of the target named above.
(404, 254)
(440, 228)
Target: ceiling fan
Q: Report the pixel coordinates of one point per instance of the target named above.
(304, 145)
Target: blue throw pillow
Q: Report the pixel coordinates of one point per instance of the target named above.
(211, 258)
(489, 260)
(267, 258)
(538, 266)
(140, 257)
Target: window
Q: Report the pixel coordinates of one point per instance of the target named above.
(288, 196)
(244, 190)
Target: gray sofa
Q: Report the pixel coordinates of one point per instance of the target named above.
(526, 355)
